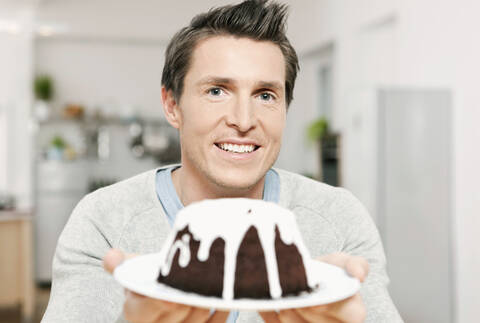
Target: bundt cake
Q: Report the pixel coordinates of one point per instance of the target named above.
(236, 248)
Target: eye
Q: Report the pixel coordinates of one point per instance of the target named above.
(265, 96)
(215, 91)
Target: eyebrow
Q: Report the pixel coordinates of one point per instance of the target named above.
(225, 80)
(272, 85)
(215, 80)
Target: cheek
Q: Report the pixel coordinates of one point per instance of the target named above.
(199, 122)
(276, 125)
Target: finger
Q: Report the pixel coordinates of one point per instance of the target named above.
(114, 258)
(291, 316)
(316, 316)
(197, 315)
(310, 316)
(218, 317)
(176, 314)
(356, 266)
(349, 310)
(270, 317)
(139, 308)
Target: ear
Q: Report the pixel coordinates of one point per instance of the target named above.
(170, 108)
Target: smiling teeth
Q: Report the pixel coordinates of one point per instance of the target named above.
(237, 148)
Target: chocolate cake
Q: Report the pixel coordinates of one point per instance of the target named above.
(236, 248)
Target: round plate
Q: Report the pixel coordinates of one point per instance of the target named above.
(139, 274)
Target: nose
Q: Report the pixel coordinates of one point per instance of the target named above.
(241, 114)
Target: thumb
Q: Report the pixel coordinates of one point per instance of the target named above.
(270, 317)
(218, 317)
(114, 258)
(355, 265)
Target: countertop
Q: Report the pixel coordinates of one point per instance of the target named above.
(12, 215)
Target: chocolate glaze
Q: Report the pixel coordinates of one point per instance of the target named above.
(291, 270)
(251, 280)
(202, 277)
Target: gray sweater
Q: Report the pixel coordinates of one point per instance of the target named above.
(129, 216)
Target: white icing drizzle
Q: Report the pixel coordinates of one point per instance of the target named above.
(184, 246)
(267, 239)
(230, 219)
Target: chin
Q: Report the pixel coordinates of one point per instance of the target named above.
(237, 180)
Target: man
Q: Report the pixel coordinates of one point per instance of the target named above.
(227, 82)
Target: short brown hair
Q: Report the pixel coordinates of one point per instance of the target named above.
(261, 20)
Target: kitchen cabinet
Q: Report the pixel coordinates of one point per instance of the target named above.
(60, 185)
(16, 262)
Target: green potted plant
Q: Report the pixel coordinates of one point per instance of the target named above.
(43, 91)
(58, 142)
(43, 88)
(57, 147)
(318, 131)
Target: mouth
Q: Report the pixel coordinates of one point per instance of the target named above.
(237, 148)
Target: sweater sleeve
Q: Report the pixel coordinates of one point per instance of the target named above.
(82, 291)
(361, 238)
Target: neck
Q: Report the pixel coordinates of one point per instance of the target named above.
(191, 188)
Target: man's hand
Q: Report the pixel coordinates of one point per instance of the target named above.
(138, 308)
(351, 310)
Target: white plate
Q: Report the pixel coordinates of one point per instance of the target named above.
(140, 274)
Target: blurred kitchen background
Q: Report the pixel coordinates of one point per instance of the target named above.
(386, 104)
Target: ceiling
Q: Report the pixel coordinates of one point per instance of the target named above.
(154, 20)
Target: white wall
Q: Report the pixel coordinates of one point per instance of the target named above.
(152, 19)
(3, 147)
(439, 48)
(302, 111)
(107, 19)
(16, 99)
(412, 43)
(362, 37)
(118, 76)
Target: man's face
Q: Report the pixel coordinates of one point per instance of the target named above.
(232, 111)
